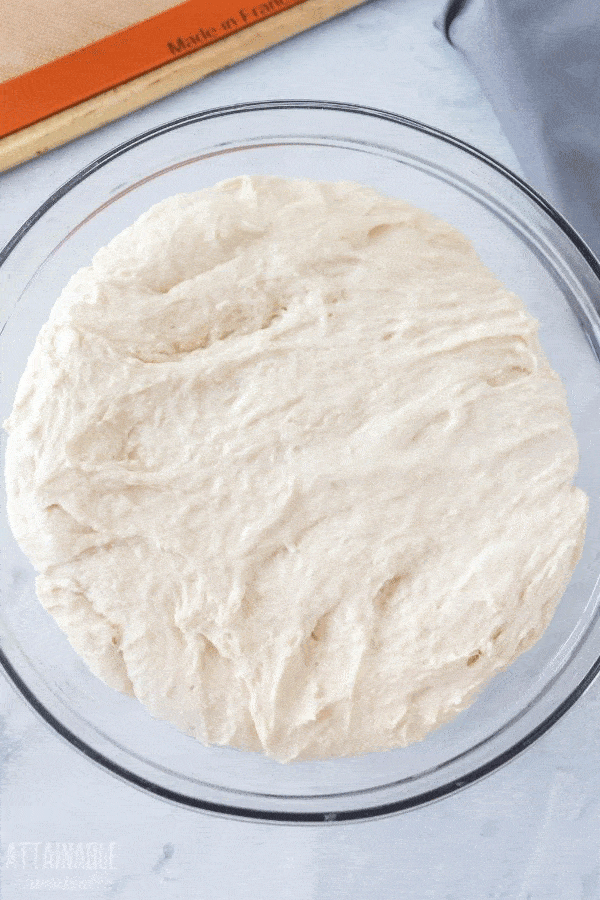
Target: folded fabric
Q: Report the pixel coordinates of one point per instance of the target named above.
(539, 63)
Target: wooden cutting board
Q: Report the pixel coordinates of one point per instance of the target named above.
(68, 66)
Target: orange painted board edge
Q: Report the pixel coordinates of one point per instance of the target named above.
(124, 55)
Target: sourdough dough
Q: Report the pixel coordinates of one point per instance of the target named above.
(294, 469)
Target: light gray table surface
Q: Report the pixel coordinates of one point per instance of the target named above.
(530, 831)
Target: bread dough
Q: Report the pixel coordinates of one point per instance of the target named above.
(294, 469)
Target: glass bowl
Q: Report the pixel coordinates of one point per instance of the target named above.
(531, 249)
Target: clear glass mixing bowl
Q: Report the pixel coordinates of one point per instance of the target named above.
(520, 237)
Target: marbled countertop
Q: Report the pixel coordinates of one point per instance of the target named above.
(530, 831)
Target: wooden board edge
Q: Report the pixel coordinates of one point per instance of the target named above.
(71, 123)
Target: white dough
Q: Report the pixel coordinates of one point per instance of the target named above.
(294, 469)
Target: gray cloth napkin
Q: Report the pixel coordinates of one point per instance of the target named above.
(539, 63)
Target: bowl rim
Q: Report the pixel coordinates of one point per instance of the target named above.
(280, 816)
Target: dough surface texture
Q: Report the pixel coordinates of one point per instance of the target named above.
(293, 468)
